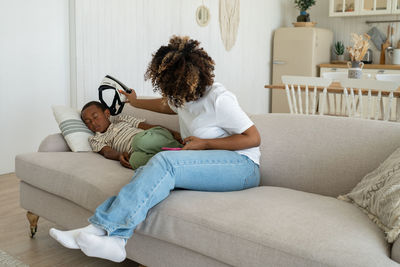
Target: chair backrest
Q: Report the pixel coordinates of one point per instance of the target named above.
(356, 107)
(369, 84)
(308, 83)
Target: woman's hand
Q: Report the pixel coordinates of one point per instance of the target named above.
(247, 139)
(124, 160)
(130, 97)
(194, 143)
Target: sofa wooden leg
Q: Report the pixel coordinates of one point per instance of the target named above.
(142, 265)
(33, 220)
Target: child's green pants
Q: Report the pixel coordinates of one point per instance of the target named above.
(149, 142)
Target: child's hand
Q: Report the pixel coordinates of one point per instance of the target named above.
(124, 160)
(130, 97)
(177, 136)
(194, 143)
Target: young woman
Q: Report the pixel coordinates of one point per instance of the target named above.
(220, 150)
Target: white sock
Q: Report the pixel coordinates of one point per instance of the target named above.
(67, 238)
(106, 247)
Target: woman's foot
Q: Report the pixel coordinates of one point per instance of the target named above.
(106, 247)
(67, 238)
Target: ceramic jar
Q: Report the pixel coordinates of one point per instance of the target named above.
(355, 69)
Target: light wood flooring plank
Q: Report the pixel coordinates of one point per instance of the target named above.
(42, 250)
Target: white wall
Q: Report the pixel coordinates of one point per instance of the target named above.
(117, 37)
(34, 73)
(114, 37)
(342, 27)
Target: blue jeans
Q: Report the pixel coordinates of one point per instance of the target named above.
(202, 170)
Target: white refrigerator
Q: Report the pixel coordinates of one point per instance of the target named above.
(297, 51)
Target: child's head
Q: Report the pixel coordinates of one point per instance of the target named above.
(181, 71)
(96, 116)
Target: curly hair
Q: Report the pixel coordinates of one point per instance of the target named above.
(93, 103)
(181, 71)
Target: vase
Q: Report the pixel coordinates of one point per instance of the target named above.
(340, 57)
(355, 69)
(304, 17)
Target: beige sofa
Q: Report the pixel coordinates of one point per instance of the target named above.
(292, 219)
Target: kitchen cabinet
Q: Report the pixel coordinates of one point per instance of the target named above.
(375, 7)
(372, 69)
(342, 8)
(396, 7)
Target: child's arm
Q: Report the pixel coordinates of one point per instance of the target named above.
(175, 134)
(110, 153)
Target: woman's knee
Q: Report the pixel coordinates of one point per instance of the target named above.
(161, 158)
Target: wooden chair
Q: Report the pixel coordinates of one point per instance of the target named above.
(337, 100)
(359, 98)
(295, 101)
(394, 78)
(371, 92)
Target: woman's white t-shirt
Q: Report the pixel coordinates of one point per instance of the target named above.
(217, 114)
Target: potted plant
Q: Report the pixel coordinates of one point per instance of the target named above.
(303, 6)
(339, 50)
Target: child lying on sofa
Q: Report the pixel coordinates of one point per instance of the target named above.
(127, 139)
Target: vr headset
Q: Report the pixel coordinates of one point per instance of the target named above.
(110, 96)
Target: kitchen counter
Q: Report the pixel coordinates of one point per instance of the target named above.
(366, 66)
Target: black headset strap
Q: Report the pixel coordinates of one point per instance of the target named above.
(117, 99)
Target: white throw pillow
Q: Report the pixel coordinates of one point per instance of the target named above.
(378, 195)
(74, 130)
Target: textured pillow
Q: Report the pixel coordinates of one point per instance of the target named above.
(378, 195)
(72, 128)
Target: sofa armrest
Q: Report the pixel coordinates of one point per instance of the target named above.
(54, 143)
(396, 250)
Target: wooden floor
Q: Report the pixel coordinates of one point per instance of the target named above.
(42, 250)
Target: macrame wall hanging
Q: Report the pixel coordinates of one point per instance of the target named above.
(229, 17)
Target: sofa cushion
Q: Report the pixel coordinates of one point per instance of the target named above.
(274, 225)
(378, 195)
(326, 155)
(85, 178)
(54, 143)
(74, 130)
(166, 120)
(277, 226)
